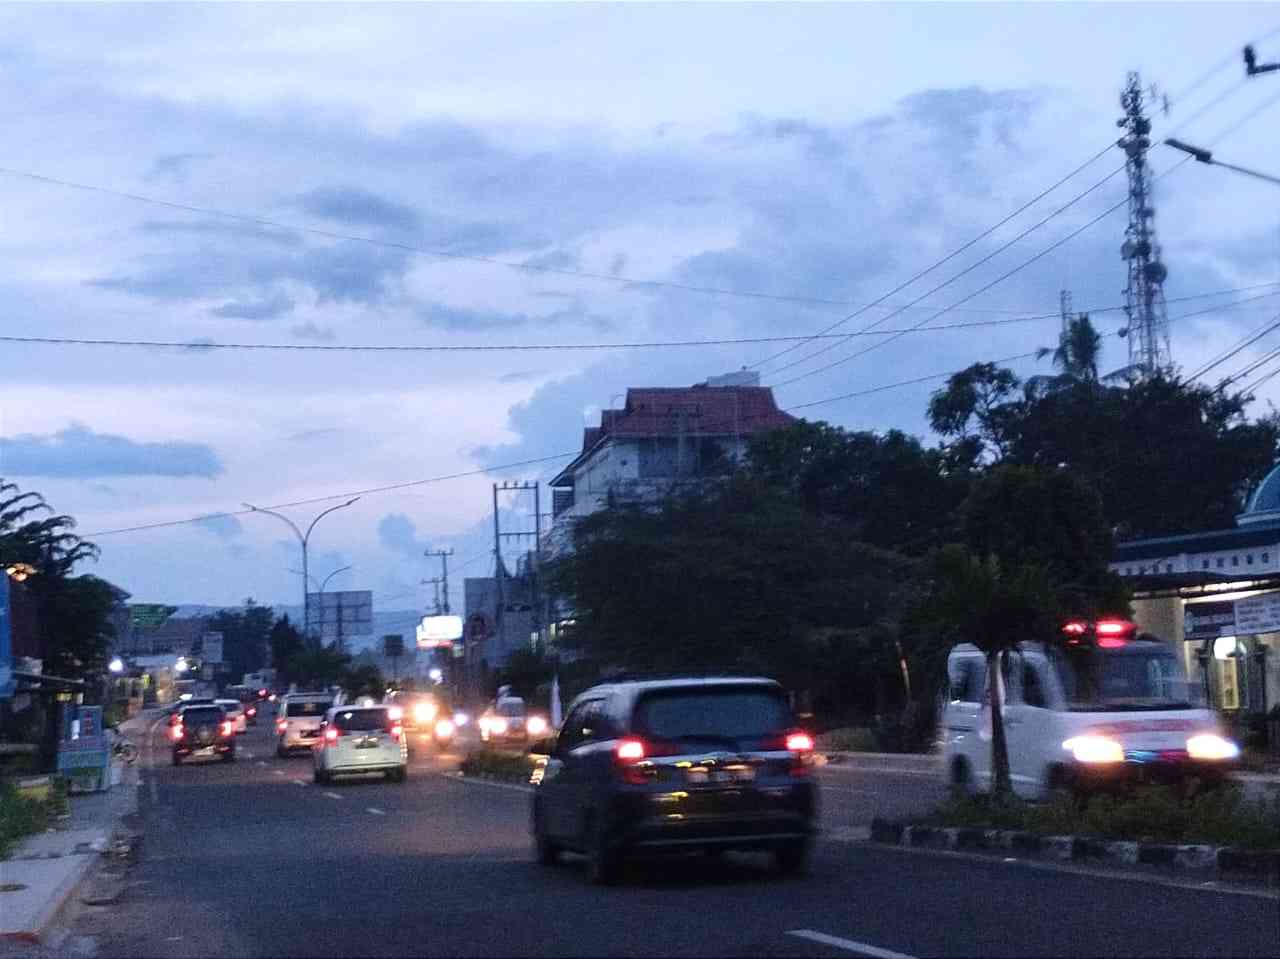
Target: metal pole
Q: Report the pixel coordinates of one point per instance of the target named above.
(497, 568)
(537, 564)
(444, 560)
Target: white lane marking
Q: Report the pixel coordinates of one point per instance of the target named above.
(376, 812)
(278, 772)
(299, 782)
(248, 755)
(263, 762)
(333, 795)
(459, 778)
(861, 948)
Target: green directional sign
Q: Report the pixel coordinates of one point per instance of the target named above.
(149, 614)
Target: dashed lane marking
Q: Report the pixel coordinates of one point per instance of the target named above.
(299, 782)
(860, 948)
(263, 762)
(278, 772)
(375, 811)
(333, 795)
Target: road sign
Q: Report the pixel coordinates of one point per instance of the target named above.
(436, 631)
(149, 614)
(393, 645)
(344, 614)
(211, 648)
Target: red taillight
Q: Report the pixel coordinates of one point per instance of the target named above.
(281, 725)
(253, 711)
(262, 694)
(1075, 628)
(331, 735)
(228, 728)
(176, 731)
(396, 731)
(631, 750)
(800, 743)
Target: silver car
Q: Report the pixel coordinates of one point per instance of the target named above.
(361, 739)
(298, 720)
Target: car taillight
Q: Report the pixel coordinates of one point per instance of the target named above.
(281, 725)
(176, 731)
(331, 735)
(632, 768)
(800, 743)
(396, 731)
(253, 711)
(228, 728)
(630, 750)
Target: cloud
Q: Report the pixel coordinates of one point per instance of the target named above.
(522, 376)
(174, 165)
(398, 533)
(79, 452)
(224, 527)
(267, 309)
(463, 318)
(307, 436)
(354, 206)
(311, 331)
(236, 230)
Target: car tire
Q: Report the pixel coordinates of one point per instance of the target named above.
(792, 859)
(318, 776)
(399, 775)
(177, 760)
(604, 862)
(281, 752)
(961, 777)
(229, 757)
(545, 852)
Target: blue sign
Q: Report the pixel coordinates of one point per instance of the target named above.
(6, 639)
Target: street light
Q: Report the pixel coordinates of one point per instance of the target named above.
(303, 539)
(181, 666)
(116, 665)
(19, 572)
(1201, 155)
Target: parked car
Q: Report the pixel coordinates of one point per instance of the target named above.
(676, 765)
(1105, 708)
(298, 719)
(361, 739)
(202, 731)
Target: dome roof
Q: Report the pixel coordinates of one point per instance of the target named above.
(1264, 504)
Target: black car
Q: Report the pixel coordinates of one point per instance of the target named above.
(676, 765)
(202, 731)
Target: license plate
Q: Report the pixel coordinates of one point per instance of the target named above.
(735, 774)
(369, 742)
(206, 751)
(310, 733)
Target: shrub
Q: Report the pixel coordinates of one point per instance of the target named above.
(851, 739)
(494, 765)
(22, 815)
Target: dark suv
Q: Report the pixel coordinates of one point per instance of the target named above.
(202, 731)
(676, 765)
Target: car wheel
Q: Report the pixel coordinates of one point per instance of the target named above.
(792, 859)
(229, 757)
(318, 775)
(400, 774)
(177, 760)
(604, 862)
(281, 752)
(545, 852)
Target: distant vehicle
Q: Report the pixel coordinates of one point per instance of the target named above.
(298, 719)
(1105, 708)
(361, 739)
(426, 716)
(507, 721)
(249, 699)
(672, 766)
(173, 709)
(202, 731)
(235, 712)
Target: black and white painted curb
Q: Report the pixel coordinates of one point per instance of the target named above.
(1219, 862)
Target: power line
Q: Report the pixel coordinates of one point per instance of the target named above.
(950, 256)
(1260, 380)
(1250, 338)
(323, 499)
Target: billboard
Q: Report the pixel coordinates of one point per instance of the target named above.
(211, 648)
(341, 614)
(149, 614)
(437, 631)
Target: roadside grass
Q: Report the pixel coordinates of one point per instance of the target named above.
(490, 764)
(850, 739)
(23, 815)
(1222, 817)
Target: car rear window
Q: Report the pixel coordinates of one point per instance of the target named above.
(230, 705)
(360, 720)
(511, 708)
(203, 714)
(737, 713)
(299, 710)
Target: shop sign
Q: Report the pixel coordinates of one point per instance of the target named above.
(1209, 620)
(1258, 614)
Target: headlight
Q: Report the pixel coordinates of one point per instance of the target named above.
(424, 712)
(498, 726)
(1095, 749)
(1211, 746)
(461, 719)
(536, 725)
(444, 729)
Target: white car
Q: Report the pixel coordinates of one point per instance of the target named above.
(235, 712)
(298, 719)
(361, 739)
(1105, 707)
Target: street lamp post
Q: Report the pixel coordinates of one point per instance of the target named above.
(303, 539)
(1201, 155)
(321, 585)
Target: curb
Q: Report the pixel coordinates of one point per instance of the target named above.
(49, 912)
(1220, 862)
(838, 757)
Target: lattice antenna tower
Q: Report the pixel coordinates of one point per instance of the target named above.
(1144, 305)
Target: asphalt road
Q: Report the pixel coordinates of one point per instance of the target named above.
(252, 859)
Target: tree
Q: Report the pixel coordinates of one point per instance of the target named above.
(1079, 347)
(245, 637)
(320, 668)
(285, 642)
(364, 679)
(976, 409)
(525, 670)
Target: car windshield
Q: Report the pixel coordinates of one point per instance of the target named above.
(306, 709)
(732, 713)
(360, 720)
(205, 714)
(1136, 676)
(510, 708)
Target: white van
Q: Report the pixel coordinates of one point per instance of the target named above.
(1104, 707)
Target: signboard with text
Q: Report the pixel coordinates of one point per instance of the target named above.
(341, 614)
(1250, 616)
(438, 631)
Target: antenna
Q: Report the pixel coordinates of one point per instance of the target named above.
(1144, 305)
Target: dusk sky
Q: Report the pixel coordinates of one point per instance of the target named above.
(821, 154)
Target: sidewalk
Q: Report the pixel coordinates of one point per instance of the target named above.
(46, 869)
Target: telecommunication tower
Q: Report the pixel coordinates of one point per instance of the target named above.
(1144, 305)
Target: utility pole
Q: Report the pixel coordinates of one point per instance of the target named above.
(1144, 305)
(499, 535)
(444, 555)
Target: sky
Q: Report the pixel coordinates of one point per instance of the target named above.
(535, 174)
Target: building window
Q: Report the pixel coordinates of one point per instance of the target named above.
(1249, 559)
(1205, 565)
(1266, 557)
(1221, 562)
(1235, 560)
(1168, 567)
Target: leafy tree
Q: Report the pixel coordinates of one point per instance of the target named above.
(1077, 354)
(73, 613)
(321, 668)
(245, 637)
(364, 679)
(976, 409)
(526, 670)
(285, 642)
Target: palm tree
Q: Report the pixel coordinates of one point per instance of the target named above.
(1079, 348)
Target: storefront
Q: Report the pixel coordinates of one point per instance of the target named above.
(1217, 596)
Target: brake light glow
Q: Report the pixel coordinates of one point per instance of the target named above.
(631, 750)
(253, 711)
(262, 694)
(176, 731)
(1075, 628)
(228, 728)
(281, 725)
(800, 743)
(395, 713)
(536, 725)
(331, 735)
